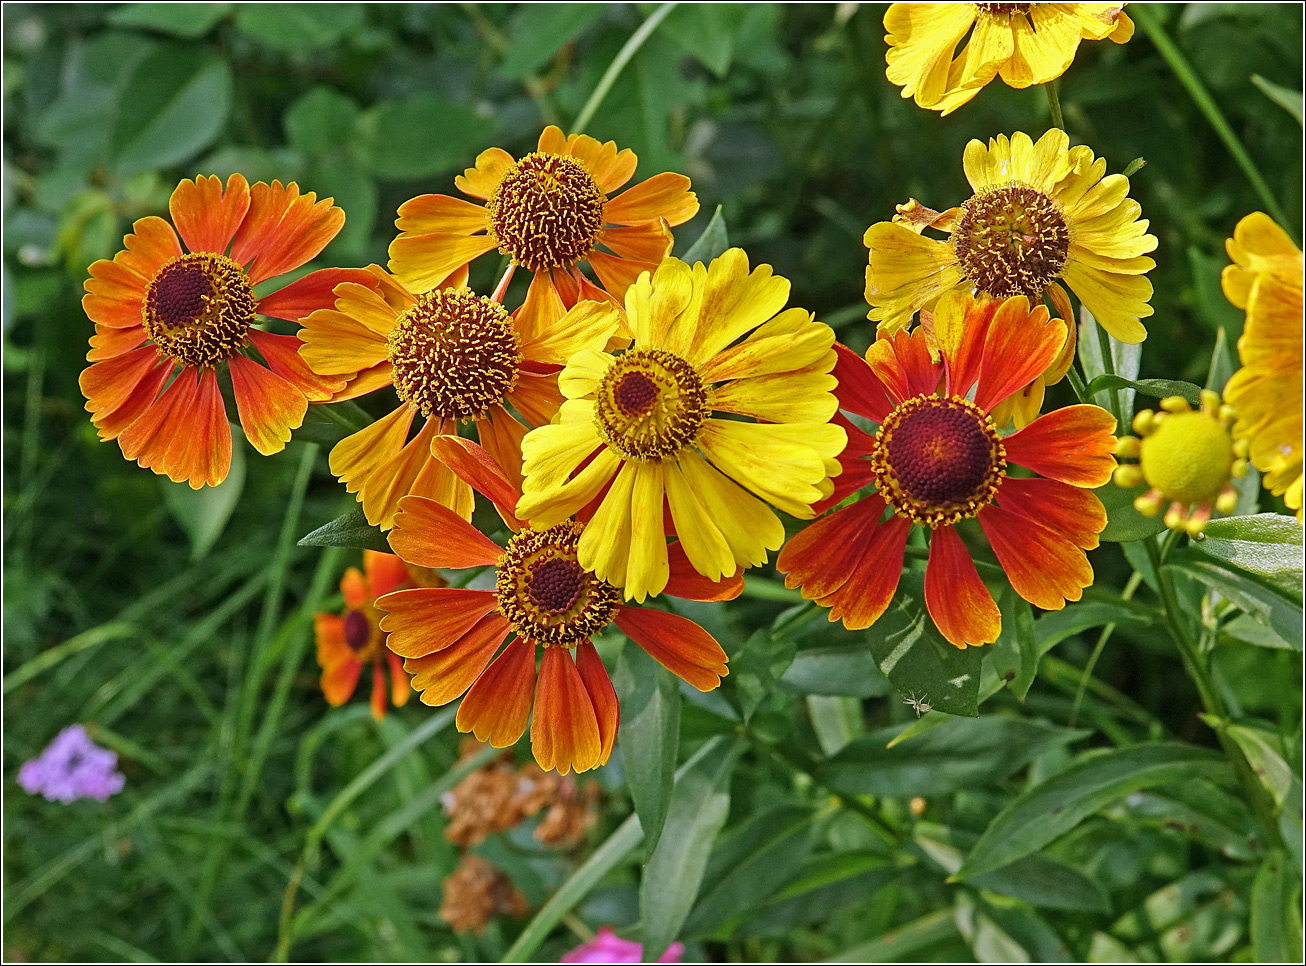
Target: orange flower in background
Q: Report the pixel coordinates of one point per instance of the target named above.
(348, 641)
(452, 357)
(167, 319)
(548, 211)
(542, 598)
(937, 460)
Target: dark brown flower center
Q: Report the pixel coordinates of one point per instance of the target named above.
(650, 404)
(358, 631)
(938, 460)
(1011, 240)
(454, 354)
(199, 308)
(546, 595)
(547, 211)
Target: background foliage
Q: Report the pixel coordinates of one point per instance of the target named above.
(1081, 816)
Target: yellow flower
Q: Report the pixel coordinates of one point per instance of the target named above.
(637, 437)
(1042, 213)
(1023, 43)
(1266, 393)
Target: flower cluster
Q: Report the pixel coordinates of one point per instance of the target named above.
(72, 767)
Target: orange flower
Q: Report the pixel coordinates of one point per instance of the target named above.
(347, 641)
(160, 312)
(937, 459)
(452, 357)
(542, 597)
(547, 211)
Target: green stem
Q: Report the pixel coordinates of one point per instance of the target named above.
(1054, 104)
(1109, 367)
(1077, 384)
(618, 64)
(1206, 104)
(1134, 580)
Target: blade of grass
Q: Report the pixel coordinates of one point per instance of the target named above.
(618, 64)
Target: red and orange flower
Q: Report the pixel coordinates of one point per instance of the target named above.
(348, 641)
(548, 211)
(937, 460)
(542, 597)
(166, 319)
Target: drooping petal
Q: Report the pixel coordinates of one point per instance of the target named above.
(664, 195)
(1076, 514)
(564, 728)
(677, 643)
(782, 463)
(422, 262)
(316, 290)
(588, 325)
(820, 558)
(385, 572)
(1073, 445)
(329, 639)
(281, 353)
(1019, 347)
(269, 406)
(207, 216)
(400, 690)
(1044, 567)
(338, 684)
(429, 619)
(701, 542)
(642, 243)
(498, 705)
(430, 535)
(687, 583)
(478, 469)
(378, 693)
(441, 213)
(602, 696)
(444, 675)
(749, 526)
(618, 274)
(355, 459)
(960, 604)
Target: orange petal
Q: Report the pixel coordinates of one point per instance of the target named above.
(400, 690)
(1073, 445)
(960, 604)
(501, 435)
(1076, 514)
(882, 357)
(437, 482)
(429, 535)
(385, 572)
(538, 314)
(431, 618)
(114, 295)
(644, 243)
(150, 246)
(329, 636)
(283, 230)
(269, 406)
(536, 396)
(338, 684)
(687, 583)
(210, 449)
(316, 290)
(281, 352)
(617, 274)
(1018, 348)
(422, 262)
(498, 705)
(602, 696)
(378, 692)
(366, 381)
(108, 384)
(564, 729)
(111, 423)
(446, 674)
(609, 167)
(475, 467)
(820, 558)
(859, 391)
(479, 182)
(664, 195)
(677, 643)
(109, 343)
(441, 214)
(184, 434)
(207, 216)
(354, 589)
(355, 459)
(552, 141)
(922, 375)
(1044, 567)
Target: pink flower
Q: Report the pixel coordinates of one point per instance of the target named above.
(608, 947)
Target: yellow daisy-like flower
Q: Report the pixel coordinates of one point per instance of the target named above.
(1266, 281)
(638, 437)
(1023, 43)
(1042, 213)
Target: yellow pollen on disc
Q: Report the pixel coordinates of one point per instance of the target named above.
(454, 354)
(199, 308)
(1188, 457)
(650, 404)
(1003, 9)
(547, 211)
(938, 460)
(1011, 240)
(544, 592)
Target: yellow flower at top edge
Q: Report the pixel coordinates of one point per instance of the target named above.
(548, 211)
(1023, 43)
(638, 437)
(1043, 213)
(1266, 393)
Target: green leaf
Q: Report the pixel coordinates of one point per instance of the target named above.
(1223, 362)
(1014, 656)
(698, 809)
(917, 659)
(174, 104)
(649, 737)
(904, 944)
(1123, 523)
(835, 720)
(706, 31)
(1258, 598)
(328, 424)
(1125, 360)
(1290, 101)
(1267, 544)
(204, 513)
(1202, 812)
(1047, 811)
(1276, 923)
(341, 177)
(846, 671)
(1275, 774)
(299, 27)
(713, 242)
(1155, 388)
(954, 755)
(320, 121)
(420, 135)
(756, 667)
(350, 530)
(189, 20)
(1055, 626)
(541, 30)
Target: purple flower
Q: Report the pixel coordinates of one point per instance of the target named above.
(72, 767)
(608, 947)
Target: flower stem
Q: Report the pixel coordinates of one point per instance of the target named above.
(1206, 104)
(1054, 104)
(618, 64)
(1109, 367)
(1134, 580)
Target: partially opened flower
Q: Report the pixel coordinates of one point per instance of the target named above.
(608, 947)
(349, 641)
(453, 357)
(544, 599)
(1266, 393)
(167, 321)
(548, 211)
(1023, 43)
(937, 460)
(1042, 213)
(72, 767)
(655, 432)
